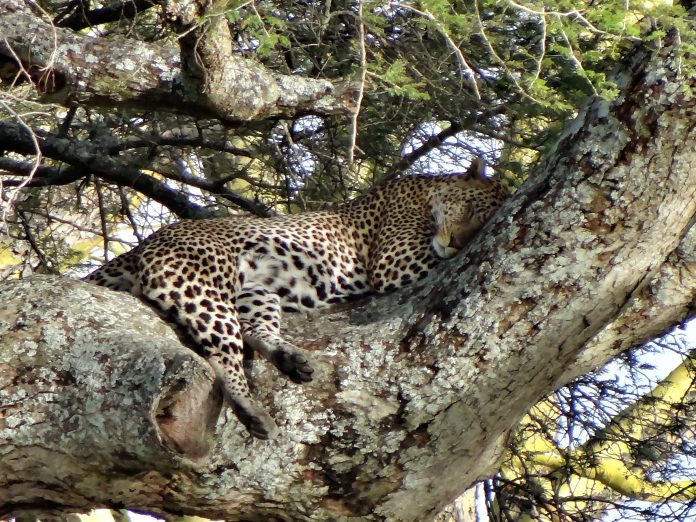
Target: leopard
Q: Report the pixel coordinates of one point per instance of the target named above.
(226, 280)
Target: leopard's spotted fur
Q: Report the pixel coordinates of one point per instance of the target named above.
(225, 281)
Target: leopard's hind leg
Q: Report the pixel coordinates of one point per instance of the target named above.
(203, 310)
(259, 315)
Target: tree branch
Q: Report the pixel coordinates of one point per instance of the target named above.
(429, 145)
(669, 294)
(437, 140)
(180, 141)
(71, 68)
(41, 176)
(87, 159)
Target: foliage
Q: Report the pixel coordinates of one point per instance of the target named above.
(626, 430)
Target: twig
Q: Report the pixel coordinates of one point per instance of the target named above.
(37, 161)
(102, 217)
(542, 44)
(29, 236)
(361, 88)
(125, 209)
(576, 62)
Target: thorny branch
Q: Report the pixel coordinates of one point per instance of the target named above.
(464, 68)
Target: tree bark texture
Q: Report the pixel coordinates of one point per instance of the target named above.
(72, 68)
(415, 391)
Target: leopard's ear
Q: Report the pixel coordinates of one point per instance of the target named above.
(476, 169)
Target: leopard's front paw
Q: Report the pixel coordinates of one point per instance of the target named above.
(293, 363)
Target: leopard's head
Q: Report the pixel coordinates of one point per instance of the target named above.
(462, 206)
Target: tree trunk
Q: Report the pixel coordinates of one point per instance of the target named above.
(101, 405)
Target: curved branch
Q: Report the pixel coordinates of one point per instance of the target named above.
(437, 140)
(433, 142)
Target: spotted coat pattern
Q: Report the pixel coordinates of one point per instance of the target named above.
(225, 281)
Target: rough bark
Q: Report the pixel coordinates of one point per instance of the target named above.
(415, 391)
(72, 68)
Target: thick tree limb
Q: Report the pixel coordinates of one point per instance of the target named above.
(671, 293)
(210, 67)
(71, 68)
(415, 392)
(167, 391)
